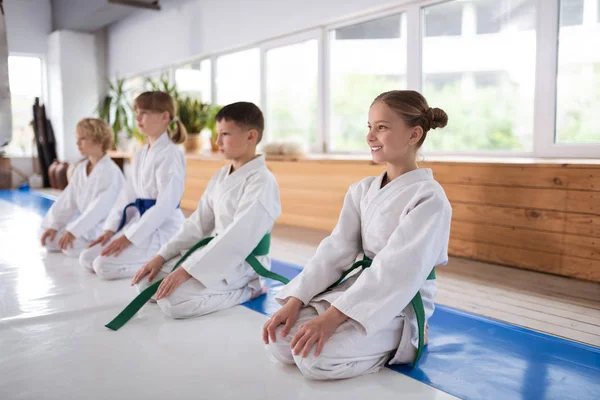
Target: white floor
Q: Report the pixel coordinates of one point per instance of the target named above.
(53, 343)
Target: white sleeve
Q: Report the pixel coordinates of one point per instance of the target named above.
(63, 209)
(256, 213)
(198, 226)
(99, 208)
(126, 196)
(334, 256)
(170, 180)
(383, 290)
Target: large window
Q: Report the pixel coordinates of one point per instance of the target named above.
(578, 81)
(25, 80)
(194, 80)
(514, 79)
(366, 59)
(480, 69)
(292, 79)
(238, 77)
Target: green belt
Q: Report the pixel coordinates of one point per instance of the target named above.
(261, 250)
(417, 303)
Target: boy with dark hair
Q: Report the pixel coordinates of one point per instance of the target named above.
(211, 263)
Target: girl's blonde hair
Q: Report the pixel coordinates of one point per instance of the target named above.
(97, 130)
(158, 101)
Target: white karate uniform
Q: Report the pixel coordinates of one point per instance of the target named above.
(404, 228)
(84, 205)
(238, 209)
(158, 173)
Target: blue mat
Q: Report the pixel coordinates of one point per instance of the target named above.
(468, 356)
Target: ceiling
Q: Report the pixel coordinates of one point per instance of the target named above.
(89, 15)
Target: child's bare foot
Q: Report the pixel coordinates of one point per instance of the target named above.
(426, 334)
(256, 293)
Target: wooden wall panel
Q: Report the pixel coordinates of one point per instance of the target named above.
(544, 217)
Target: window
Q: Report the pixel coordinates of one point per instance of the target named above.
(444, 19)
(571, 12)
(25, 81)
(366, 59)
(238, 77)
(292, 79)
(578, 78)
(483, 78)
(194, 80)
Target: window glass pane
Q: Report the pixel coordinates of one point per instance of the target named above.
(238, 77)
(194, 80)
(366, 59)
(578, 78)
(571, 12)
(25, 81)
(443, 20)
(292, 73)
(484, 78)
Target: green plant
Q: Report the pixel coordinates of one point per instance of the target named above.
(115, 109)
(211, 122)
(164, 85)
(193, 114)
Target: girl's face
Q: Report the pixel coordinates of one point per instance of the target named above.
(390, 139)
(233, 140)
(87, 147)
(151, 123)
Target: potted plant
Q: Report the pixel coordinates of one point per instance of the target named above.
(194, 115)
(115, 110)
(163, 84)
(212, 125)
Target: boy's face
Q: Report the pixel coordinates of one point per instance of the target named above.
(235, 141)
(87, 147)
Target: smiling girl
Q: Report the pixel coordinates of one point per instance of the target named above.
(339, 322)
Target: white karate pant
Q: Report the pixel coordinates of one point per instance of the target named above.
(192, 298)
(79, 245)
(346, 354)
(125, 265)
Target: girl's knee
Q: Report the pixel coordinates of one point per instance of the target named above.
(103, 269)
(174, 310)
(280, 350)
(86, 261)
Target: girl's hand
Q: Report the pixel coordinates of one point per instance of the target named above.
(66, 240)
(50, 233)
(317, 331)
(151, 268)
(287, 315)
(171, 282)
(102, 239)
(116, 246)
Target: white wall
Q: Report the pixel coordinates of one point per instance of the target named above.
(28, 24)
(73, 86)
(150, 40)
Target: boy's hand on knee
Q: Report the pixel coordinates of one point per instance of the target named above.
(49, 234)
(151, 268)
(287, 315)
(172, 282)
